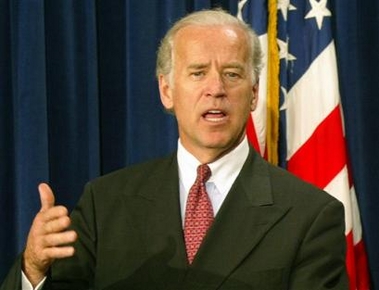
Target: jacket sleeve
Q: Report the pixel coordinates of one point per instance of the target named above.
(13, 279)
(70, 273)
(77, 272)
(320, 262)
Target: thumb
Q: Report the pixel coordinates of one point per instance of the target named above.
(47, 197)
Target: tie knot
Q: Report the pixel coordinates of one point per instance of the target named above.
(203, 172)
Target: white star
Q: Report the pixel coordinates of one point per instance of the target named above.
(285, 98)
(285, 6)
(241, 3)
(318, 11)
(283, 51)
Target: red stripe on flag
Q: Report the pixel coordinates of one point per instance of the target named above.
(252, 134)
(323, 155)
(350, 261)
(357, 264)
(361, 265)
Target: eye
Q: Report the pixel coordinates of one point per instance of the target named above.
(232, 75)
(197, 74)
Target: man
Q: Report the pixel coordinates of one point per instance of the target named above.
(134, 228)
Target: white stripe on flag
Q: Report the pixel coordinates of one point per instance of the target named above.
(311, 99)
(260, 114)
(339, 188)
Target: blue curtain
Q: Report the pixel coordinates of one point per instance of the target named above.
(357, 41)
(78, 98)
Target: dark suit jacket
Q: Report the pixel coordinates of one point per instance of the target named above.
(272, 232)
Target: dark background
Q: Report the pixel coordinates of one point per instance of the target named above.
(78, 98)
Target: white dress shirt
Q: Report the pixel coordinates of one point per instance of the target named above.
(224, 172)
(26, 285)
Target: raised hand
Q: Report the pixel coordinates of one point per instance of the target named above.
(48, 237)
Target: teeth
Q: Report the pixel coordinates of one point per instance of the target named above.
(214, 116)
(215, 119)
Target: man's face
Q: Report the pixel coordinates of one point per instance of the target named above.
(210, 90)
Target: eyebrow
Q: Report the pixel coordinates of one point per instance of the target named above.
(197, 66)
(234, 65)
(228, 65)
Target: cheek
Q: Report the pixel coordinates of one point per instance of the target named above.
(185, 98)
(182, 105)
(242, 112)
(242, 103)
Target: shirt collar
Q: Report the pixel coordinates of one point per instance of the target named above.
(224, 170)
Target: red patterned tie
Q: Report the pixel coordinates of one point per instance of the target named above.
(199, 212)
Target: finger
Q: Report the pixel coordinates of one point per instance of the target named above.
(60, 239)
(46, 196)
(57, 225)
(53, 213)
(59, 252)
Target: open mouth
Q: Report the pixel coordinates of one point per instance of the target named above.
(214, 116)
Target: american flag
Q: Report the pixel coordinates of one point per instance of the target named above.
(300, 118)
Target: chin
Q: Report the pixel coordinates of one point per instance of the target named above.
(221, 143)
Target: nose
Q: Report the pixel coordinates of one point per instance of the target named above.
(215, 86)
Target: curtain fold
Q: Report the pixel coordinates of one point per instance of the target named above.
(24, 148)
(72, 96)
(357, 42)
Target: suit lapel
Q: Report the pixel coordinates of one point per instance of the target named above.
(163, 226)
(246, 215)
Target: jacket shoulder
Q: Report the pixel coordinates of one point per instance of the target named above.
(134, 176)
(287, 186)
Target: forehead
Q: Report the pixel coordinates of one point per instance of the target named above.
(215, 41)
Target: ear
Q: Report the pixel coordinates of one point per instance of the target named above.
(254, 99)
(165, 92)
